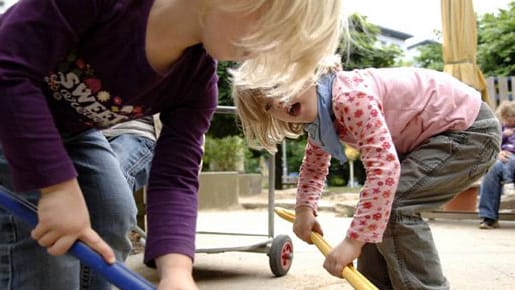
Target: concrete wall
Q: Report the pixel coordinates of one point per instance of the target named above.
(221, 189)
(218, 189)
(249, 184)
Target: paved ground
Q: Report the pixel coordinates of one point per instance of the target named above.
(472, 259)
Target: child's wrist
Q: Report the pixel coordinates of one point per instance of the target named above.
(59, 186)
(355, 242)
(304, 209)
(169, 264)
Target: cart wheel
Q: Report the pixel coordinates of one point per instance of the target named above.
(281, 255)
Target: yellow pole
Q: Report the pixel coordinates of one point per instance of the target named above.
(355, 278)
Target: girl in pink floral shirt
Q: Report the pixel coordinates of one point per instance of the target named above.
(423, 136)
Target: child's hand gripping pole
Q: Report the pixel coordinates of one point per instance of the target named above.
(116, 273)
(355, 278)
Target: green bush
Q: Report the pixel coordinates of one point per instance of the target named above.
(224, 154)
(334, 180)
(230, 153)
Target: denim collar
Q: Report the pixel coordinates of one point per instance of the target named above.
(322, 130)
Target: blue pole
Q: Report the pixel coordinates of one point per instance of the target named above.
(117, 273)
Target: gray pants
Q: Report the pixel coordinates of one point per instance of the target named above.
(431, 175)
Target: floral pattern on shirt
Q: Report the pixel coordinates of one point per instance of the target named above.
(75, 83)
(359, 118)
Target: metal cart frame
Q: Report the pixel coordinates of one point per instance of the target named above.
(278, 248)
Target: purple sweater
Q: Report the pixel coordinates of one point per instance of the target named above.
(508, 141)
(68, 66)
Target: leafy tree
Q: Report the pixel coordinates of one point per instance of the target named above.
(228, 154)
(496, 50)
(224, 82)
(224, 124)
(223, 154)
(364, 49)
(496, 45)
(430, 56)
(295, 153)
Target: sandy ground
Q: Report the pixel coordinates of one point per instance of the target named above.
(472, 259)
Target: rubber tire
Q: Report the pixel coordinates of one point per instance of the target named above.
(281, 255)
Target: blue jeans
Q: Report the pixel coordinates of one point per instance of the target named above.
(431, 175)
(26, 265)
(135, 155)
(508, 170)
(491, 188)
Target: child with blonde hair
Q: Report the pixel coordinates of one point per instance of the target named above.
(498, 182)
(69, 68)
(423, 137)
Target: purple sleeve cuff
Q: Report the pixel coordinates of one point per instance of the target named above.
(25, 182)
(171, 225)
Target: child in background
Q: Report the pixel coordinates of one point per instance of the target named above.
(506, 113)
(423, 137)
(498, 181)
(69, 68)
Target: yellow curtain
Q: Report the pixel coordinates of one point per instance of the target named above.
(460, 44)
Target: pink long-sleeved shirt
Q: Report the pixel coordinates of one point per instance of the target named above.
(383, 113)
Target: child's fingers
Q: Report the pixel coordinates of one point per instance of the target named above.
(318, 229)
(93, 240)
(61, 246)
(302, 233)
(333, 267)
(48, 239)
(38, 231)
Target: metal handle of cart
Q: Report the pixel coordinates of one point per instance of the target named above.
(116, 273)
(278, 248)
